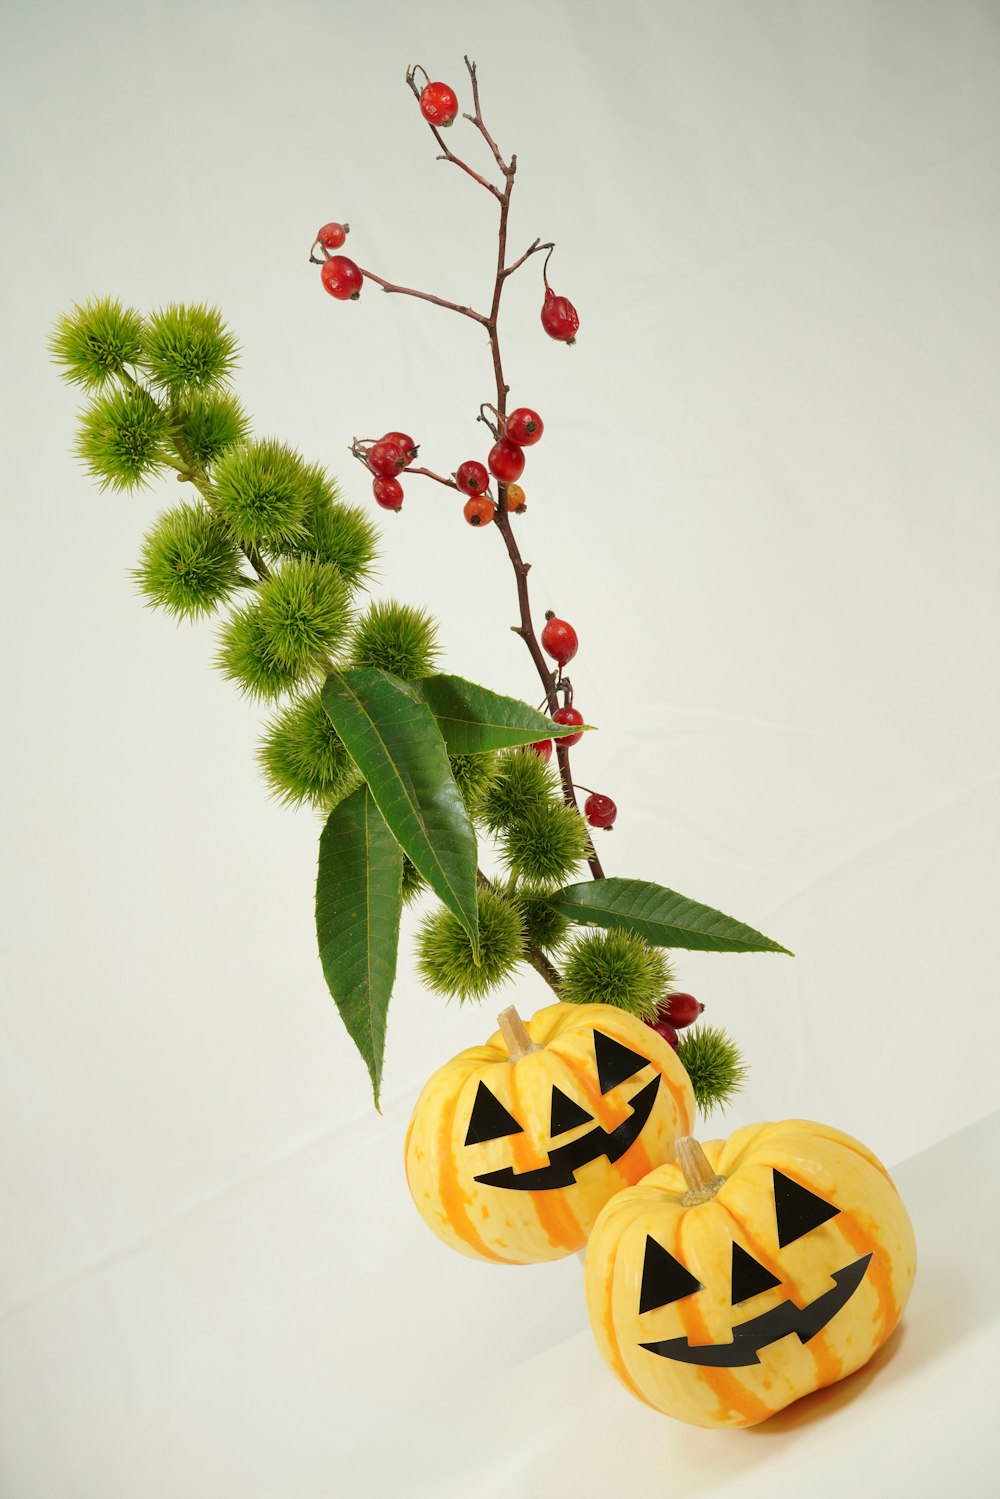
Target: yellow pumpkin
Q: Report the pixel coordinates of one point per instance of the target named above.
(725, 1286)
(515, 1146)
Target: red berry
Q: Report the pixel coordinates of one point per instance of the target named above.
(388, 493)
(478, 510)
(524, 426)
(600, 811)
(663, 1028)
(472, 477)
(559, 639)
(438, 104)
(681, 1009)
(506, 461)
(542, 748)
(559, 318)
(404, 441)
(332, 236)
(568, 715)
(341, 278)
(515, 499)
(386, 458)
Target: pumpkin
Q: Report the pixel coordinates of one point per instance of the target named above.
(725, 1286)
(515, 1146)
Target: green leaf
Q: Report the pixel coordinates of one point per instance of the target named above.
(391, 736)
(661, 916)
(473, 719)
(358, 903)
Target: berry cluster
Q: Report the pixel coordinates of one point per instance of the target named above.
(674, 1013)
(505, 461)
(385, 459)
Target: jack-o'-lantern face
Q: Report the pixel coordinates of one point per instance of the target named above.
(752, 1271)
(616, 1064)
(665, 1280)
(515, 1146)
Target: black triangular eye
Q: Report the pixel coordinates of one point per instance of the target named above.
(750, 1277)
(796, 1209)
(566, 1114)
(614, 1061)
(664, 1279)
(490, 1120)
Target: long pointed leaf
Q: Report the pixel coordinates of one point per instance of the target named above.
(663, 917)
(393, 738)
(358, 904)
(473, 719)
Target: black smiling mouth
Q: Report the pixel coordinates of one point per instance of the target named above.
(759, 1332)
(566, 1160)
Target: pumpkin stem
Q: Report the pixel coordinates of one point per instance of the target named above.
(702, 1182)
(515, 1034)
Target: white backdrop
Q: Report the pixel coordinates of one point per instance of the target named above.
(766, 497)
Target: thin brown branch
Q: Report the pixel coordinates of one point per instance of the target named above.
(428, 473)
(446, 152)
(425, 296)
(477, 120)
(533, 249)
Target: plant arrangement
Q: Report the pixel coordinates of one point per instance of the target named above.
(415, 771)
(575, 1128)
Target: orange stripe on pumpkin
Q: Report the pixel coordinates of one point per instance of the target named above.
(635, 1163)
(732, 1395)
(828, 1366)
(454, 1200)
(554, 1216)
(862, 1241)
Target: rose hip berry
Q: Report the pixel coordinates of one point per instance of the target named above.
(661, 1025)
(341, 278)
(599, 810)
(388, 493)
(506, 461)
(515, 499)
(559, 639)
(332, 236)
(386, 459)
(542, 748)
(404, 441)
(438, 104)
(524, 426)
(478, 511)
(681, 1009)
(472, 477)
(560, 318)
(568, 716)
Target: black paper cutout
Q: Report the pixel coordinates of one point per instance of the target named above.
(664, 1279)
(750, 1277)
(615, 1062)
(769, 1327)
(566, 1113)
(567, 1159)
(796, 1209)
(489, 1119)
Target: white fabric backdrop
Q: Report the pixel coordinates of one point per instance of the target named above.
(767, 498)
